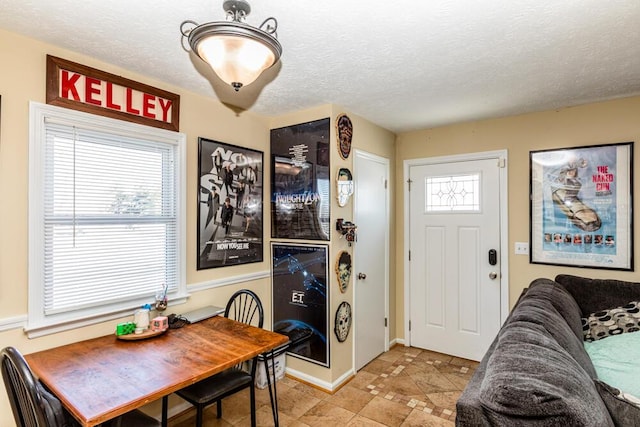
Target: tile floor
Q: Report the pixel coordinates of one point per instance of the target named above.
(405, 386)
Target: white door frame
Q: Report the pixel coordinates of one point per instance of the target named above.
(387, 207)
(500, 156)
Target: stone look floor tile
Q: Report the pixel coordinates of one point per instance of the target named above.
(350, 398)
(385, 411)
(312, 391)
(447, 399)
(363, 379)
(403, 387)
(360, 421)
(294, 403)
(327, 414)
(421, 419)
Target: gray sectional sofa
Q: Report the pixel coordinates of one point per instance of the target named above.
(537, 372)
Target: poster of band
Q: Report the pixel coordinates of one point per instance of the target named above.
(230, 181)
(581, 206)
(300, 181)
(301, 299)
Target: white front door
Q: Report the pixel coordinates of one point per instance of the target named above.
(455, 279)
(371, 199)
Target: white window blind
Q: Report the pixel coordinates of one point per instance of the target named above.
(110, 218)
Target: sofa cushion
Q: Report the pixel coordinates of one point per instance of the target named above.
(617, 361)
(599, 294)
(531, 380)
(614, 321)
(623, 408)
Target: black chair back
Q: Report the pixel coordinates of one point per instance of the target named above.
(32, 405)
(244, 306)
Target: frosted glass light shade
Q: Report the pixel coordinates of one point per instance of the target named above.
(238, 53)
(236, 59)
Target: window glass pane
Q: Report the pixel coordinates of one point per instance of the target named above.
(110, 223)
(459, 193)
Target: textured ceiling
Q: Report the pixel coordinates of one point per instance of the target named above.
(403, 65)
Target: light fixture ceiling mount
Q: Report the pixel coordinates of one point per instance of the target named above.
(237, 52)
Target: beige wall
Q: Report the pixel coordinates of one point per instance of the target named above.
(601, 123)
(22, 79)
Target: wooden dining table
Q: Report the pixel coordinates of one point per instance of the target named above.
(101, 378)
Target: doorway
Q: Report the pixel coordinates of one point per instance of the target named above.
(371, 257)
(456, 280)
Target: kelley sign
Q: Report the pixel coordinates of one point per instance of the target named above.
(83, 88)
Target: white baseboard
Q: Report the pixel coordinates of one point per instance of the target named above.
(396, 341)
(328, 387)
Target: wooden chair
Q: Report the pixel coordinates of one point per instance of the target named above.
(244, 306)
(34, 406)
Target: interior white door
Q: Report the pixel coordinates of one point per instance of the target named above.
(371, 257)
(455, 280)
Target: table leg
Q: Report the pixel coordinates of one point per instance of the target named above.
(273, 395)
(165, 409)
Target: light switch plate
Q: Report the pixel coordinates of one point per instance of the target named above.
(522, 248)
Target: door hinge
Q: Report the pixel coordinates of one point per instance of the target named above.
(409, 182)
(409, 255)
(502, 162)
(385, 184)
(385, 322)
(409, 325)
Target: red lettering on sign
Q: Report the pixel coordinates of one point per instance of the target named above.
(148, 105)
(92, 87)
(130, 108)
(110, 103)
(69, 85)
(165, 108)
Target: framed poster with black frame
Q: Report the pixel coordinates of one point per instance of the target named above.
(229, 233)
(581, 206)
(300, 299)
(300, 202)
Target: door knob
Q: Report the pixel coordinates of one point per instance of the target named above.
(362, 276)
(493, 275)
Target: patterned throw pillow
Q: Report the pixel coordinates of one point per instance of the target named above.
(605, 323)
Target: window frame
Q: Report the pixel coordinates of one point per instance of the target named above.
(38, 323)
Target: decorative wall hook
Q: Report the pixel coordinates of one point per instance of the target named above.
(347, 229)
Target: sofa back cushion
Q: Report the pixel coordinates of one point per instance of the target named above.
(531, 379)
(594, 295)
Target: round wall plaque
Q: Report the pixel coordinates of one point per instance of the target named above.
(343, 321)
(345, 133)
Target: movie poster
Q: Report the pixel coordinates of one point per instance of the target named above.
(581, 206)
(229, 204)
(300, 181)
(301, 298)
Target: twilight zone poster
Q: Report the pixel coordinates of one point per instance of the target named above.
(230, 189)
(581, 204)
(300, 299)
(300, 202)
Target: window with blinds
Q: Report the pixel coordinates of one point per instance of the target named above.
(107, 218)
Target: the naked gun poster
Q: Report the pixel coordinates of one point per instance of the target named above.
(581, 206)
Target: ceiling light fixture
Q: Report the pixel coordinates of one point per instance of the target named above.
(237, 52)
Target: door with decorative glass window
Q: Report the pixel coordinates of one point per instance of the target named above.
(455, 279)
